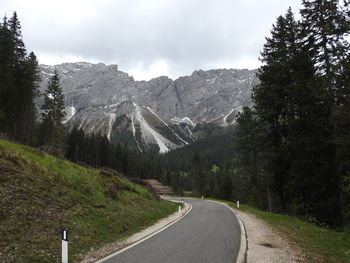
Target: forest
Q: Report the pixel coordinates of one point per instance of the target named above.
(289, 153)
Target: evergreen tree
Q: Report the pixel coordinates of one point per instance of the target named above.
(341, 116)
(53, 113)
(75, 144)
(248, 136)
(29, 93)
(18, 83)
(272, 100)
(6, 79)
(226, 186)
(326, 22)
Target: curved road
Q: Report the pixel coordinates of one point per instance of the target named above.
(209, 233)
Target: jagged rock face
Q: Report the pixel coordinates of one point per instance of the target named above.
(207, 95)
(100, 98)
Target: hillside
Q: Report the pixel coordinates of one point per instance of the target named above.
(40, 194)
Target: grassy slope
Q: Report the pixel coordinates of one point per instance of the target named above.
(319, 244)
(40, 194)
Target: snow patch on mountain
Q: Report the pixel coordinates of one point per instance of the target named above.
(225, 117)
(149, 133)
(112, 117)
(186, 120)
(212, 80)
(159, 118)
(234, 110)
(134, 132)
(70, 112)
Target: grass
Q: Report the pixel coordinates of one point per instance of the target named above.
(319, 244)
(41, 194)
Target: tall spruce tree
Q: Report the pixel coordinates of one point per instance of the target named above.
(18, 82)
(272, 101)
(341, 116)
(5, 78)
(31, 78)
(326, 22)
(248, 136)
(53, 113)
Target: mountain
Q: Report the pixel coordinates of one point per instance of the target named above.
(102, 99)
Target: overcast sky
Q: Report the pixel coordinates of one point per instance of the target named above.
(149, 38)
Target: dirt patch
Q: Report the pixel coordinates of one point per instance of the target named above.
(267, 245)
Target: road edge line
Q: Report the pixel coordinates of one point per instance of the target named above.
(243, 248)
(145, 237)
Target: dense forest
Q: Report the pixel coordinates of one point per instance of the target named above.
(290, 153)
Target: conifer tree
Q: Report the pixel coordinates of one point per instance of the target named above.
(6, 80)
(272, 100)
(18, 83)
(29, 93)
(53, 113)
(326, 22)
(248, 136)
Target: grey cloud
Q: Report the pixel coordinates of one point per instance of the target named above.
(187, 34)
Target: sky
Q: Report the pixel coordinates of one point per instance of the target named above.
(149, 38)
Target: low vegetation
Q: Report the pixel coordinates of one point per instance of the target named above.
(41, 194)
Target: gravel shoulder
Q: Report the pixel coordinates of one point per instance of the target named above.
(266, 245)
(109, 249)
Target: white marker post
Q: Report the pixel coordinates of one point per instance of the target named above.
(179, 208)
(237, 204)
(202, 197)
(64, 246)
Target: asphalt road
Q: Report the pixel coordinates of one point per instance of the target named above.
(209, 233)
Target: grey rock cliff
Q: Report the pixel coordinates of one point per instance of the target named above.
(100, 98)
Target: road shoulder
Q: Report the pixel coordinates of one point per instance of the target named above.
(266, 245)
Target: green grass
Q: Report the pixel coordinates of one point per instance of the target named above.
(319, 244)
(41, 194)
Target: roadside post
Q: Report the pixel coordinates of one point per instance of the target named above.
(202, 197)
(179, 208)
(237, 204)
(64, 246)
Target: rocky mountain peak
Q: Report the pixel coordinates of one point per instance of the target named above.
(101, 98)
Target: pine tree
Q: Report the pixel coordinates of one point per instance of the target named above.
(29, 93)
(53, 113)
(326, 22)
(18, 61)
(341, 116)
(248, 136)
(272, 100)
(75, 144)
(18, 83)
(6, 81)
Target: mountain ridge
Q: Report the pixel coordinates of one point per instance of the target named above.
(101, 99)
